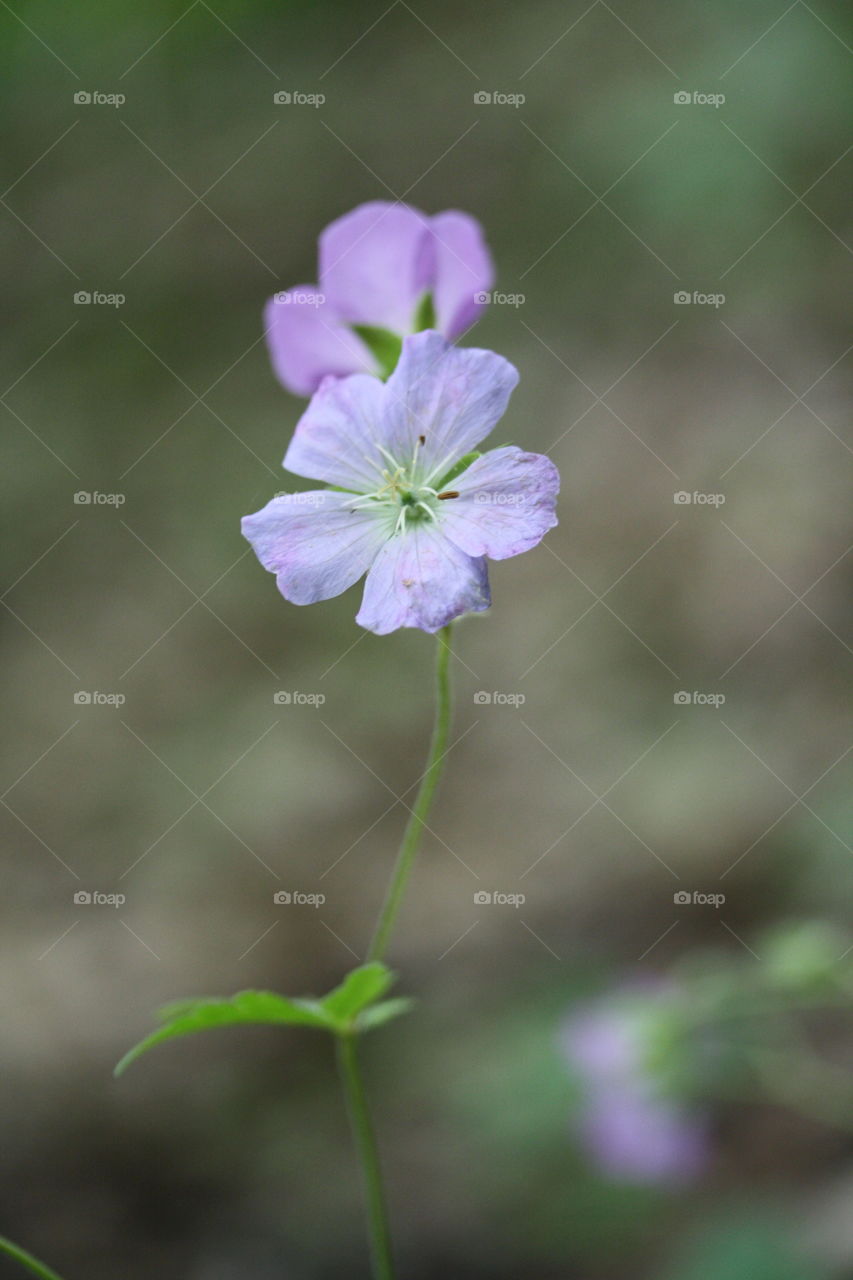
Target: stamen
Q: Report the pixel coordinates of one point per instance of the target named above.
(371, 462)
(389, 457)
(443, 466)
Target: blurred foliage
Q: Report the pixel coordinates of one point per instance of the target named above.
(601, 198)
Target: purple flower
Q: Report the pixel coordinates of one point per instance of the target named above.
(639, 1138)
(383, 267)
(410, 507)
(633, 1131)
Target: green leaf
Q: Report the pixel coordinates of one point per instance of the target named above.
(384, 346)
(425, 314)
(462, 465)
(377, 1014)
(343, 1011)
(184, 1017)
(359, 989)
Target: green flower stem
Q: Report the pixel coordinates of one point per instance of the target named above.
(27, 1260)
(380, 1235)
(420, 810)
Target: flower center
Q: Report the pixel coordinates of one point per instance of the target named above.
(405, 498)
(404, 495)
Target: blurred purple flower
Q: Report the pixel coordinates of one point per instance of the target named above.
(378, 264)
(633, 1131)
(401, 512)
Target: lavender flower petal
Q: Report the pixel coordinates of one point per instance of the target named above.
(337, 438)
(463, 271)
(314, 542)
(307, 340)
(375, 264)
(505, 506)
(420, 579)
(451, 396)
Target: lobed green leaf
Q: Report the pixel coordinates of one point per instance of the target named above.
(350, 1007)
(378, 1014)
(185, 1017)
(359, 988)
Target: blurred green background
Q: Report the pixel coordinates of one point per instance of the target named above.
(602, 197)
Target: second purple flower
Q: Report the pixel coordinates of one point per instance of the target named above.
(386, 270)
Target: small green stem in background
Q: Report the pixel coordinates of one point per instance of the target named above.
(380, 1235)
(421, 807)
(27, 1260)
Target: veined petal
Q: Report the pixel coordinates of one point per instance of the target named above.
(451, 396)
(463, 270)
(376, 262)
(315, 543)
(505, 506)
(307, 340)
(337, 438)
(421, 579)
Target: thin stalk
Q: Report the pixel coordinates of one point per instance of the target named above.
(27, 1260)
(377, 1217)
(423, 801)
